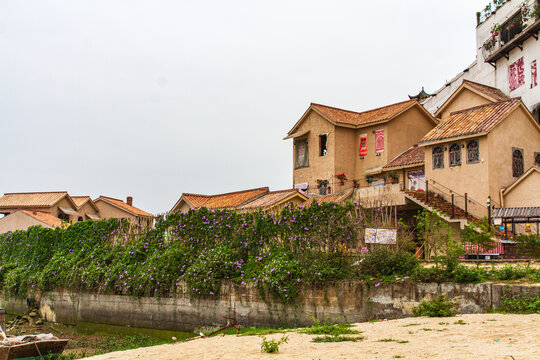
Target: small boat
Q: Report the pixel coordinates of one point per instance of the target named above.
(31, 346)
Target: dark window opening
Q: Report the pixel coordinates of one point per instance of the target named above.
(63, 216)
(438, 157)
(455, 154)
(511, 28)
(473, 152)
(536, 113)
(322, 141)
(301, 154)
(537, 158)
(80, 218)
(517, 162)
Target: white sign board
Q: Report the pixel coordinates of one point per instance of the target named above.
(381, 236)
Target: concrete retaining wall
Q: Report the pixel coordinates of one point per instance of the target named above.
(349, 301)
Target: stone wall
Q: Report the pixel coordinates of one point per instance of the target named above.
(350, 301)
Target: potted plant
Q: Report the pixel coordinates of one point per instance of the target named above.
(394, 177)
(342, 178)
(355, 184)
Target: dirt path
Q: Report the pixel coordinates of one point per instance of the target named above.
(479, 336)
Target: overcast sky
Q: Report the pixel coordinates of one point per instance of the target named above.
(155, 98)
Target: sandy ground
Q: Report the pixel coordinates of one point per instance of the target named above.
(484, 336)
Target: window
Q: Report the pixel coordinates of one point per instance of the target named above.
(80, 218)
(473, 152)
(323, 187)
(322, 144)
(301, 154)
(511, 28)
(455, 154)
(63, 216)
(537, 158)
(517, 162)
(438, 157)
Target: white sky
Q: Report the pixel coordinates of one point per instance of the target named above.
(155, 98)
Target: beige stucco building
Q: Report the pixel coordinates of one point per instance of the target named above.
(23, 219)
(115, 208)
(328, 141)
(58, 204)
(483, 150)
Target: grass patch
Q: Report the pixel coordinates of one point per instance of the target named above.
(460, 322)
(394, 340)
(426, 329)
(443, 323)
(253, 331)
(328, 328)
(338, 338)
(413, 324)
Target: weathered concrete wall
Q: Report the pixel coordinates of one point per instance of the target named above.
(345, 301)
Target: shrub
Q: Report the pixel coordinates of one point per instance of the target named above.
(329, 328)
(339, 338)
(385, 262)
(520, 304)
(422, 274)
(465, 275)
(439, 307)
(510, 273)
(272, 346)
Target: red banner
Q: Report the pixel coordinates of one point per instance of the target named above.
(363, 145)
(534, 74)
(379, 141)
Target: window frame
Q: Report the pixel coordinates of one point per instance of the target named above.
(306, 162)
(473, 161)
(323, 152)
(439, 154)
(454, 156)
(518, 171)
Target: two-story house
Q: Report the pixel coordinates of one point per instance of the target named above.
(336, 149)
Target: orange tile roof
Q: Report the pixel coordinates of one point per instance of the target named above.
(412, 156)
(489, 91)
(227, 200)
(129, 208)
(80, 200)
(44, 217)
(271, 198)
(31, 199)
(358, 119)
(338, 198)
(476, 120)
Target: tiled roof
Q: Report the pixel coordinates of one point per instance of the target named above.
(271, 198)
(411, 156)
(44, 217)
(340, 116)
(227, 200)
(31, 199)
(123, 205)
(80, 200)
(489, 91)
(476, 120)
(338, 198)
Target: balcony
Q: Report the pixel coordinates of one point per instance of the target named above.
(494, 49)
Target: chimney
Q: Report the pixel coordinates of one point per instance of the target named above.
(129, 201)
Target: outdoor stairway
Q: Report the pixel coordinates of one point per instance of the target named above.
(438, 203)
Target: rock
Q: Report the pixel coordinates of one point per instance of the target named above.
(33, 314)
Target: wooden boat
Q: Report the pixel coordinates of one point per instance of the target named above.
(32, 349)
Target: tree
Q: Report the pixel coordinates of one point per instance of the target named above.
(479, 235)
(528, 245)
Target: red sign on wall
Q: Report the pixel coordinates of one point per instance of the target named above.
(516, 74)
(363, 145)
(379, 140)
(534, 74)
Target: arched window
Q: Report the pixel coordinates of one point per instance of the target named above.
(517, 162)
(455, 154)
(473, 153)
(438, 157)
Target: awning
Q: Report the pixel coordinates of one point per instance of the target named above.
(67, 211)
(296, 134)
(373, 171)
(93, 216)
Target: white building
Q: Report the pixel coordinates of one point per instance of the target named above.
(508, 53)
